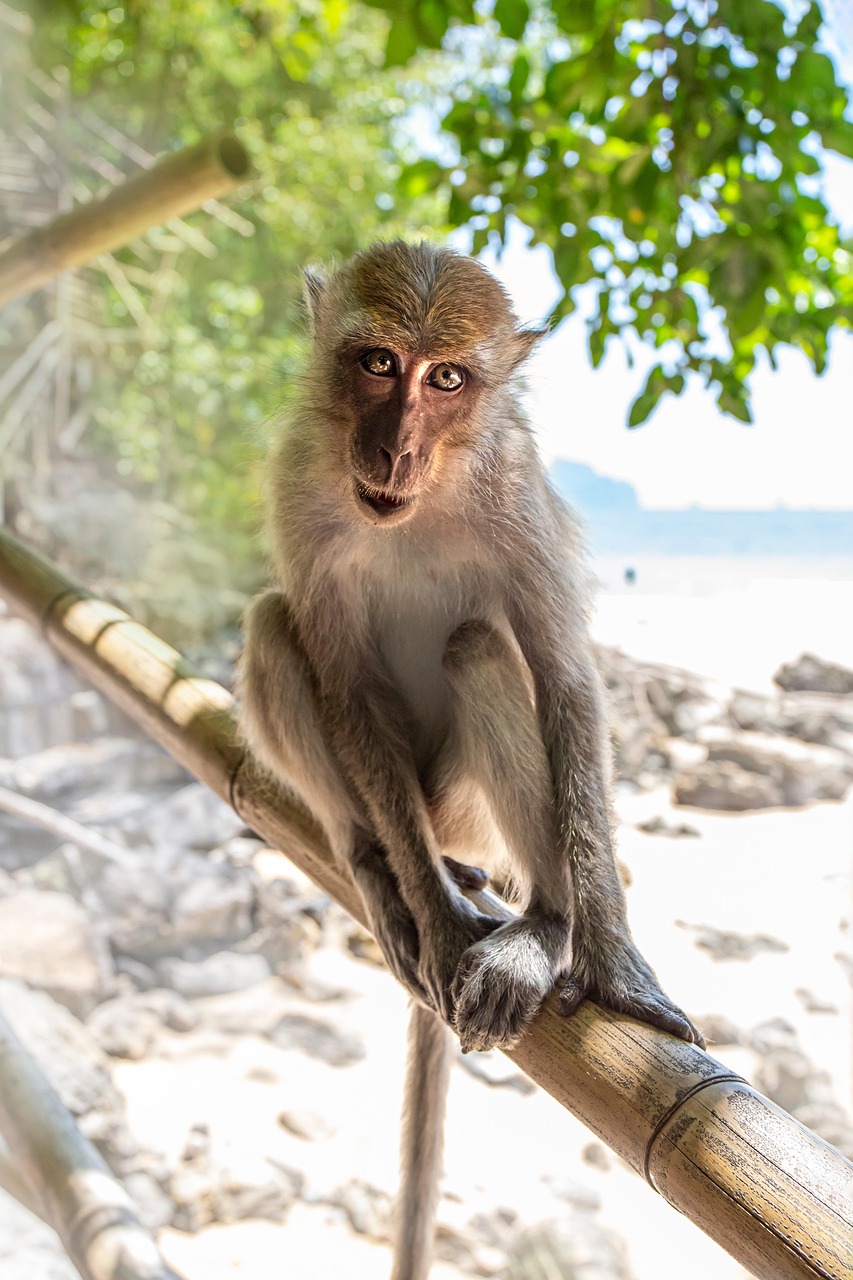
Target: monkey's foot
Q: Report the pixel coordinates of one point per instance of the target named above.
(625, 983)
(445, 937)
(501, 981)
(467, 877)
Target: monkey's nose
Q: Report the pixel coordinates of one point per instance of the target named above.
(392, 467)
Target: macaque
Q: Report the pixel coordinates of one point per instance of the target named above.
(423, 676)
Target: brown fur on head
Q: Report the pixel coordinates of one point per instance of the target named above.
(425, 310)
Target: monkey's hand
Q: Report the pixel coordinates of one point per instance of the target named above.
(501, 981)
(452, 928)
(614, 974)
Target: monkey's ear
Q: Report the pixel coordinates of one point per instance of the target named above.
(315, 288)
(524, 340)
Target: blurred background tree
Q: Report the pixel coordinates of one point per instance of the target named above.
(667, 154)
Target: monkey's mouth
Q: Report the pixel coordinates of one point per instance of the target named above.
(384, 504)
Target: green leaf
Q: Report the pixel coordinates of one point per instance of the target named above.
(519, 76)
(512, 16)
(574, 16)
(432, 22)
(402, 43)
(733, 400)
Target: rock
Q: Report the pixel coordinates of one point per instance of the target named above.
(727, 945)
(814, 1004)
(285, 945)
(223, 972)
(574, 1247)
(755, 771)
(724, 785)
(305, 1124)
(141, 975)
(173, 1010)
(821, 719)
(49, 942)
(493, 1069)
(214, 906)
(317, 1039)
(289, 923)
(793, 1082)
(118, 764)
(802, 773)
(193, 818)
(168, 902)
(717, 1028)
(681, 701)
(597, 1156)
(813, 673)
(749, 710)
(124, 1029)
(205, 1191)
(126, 1026)
(658, 826)
(368, 1209)
(572, 1192)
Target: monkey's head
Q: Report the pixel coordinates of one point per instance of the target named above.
(413, 346)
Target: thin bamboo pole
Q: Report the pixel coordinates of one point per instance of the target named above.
(772, 1193)
(59, 1174)
(176, 186)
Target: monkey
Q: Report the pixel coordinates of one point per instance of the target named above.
(423, 675)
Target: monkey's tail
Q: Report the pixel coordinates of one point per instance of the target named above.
(424, 1102)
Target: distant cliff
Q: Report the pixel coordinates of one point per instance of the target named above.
(617, 525)
(589, 491)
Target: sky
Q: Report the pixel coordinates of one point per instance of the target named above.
(799, 451)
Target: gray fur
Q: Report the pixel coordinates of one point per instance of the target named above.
(424, 678)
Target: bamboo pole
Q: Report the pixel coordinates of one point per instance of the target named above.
(176, 186)
(59, 1174)
(772, 1193)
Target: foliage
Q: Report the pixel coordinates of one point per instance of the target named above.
(186, 406)
(667, 152)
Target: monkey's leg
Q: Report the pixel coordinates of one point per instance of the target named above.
(606, 965)
(280, 722)
(501, 980)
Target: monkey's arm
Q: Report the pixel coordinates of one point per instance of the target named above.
(369, 736)
(606, 965)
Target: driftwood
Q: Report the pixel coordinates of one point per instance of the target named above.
(772, 1193)
(177, 185)
(52, 1169)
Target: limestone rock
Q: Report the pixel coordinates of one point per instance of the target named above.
(317, 1039)
(811, 672)
(223, 972)
(48, 941)
(724, 785)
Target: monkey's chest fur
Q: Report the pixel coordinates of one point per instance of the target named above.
(416, 603)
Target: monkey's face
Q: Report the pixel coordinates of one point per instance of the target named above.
(415, 348)
(406, 407)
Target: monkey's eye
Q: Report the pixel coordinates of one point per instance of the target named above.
(446, 377)
(380, 362)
